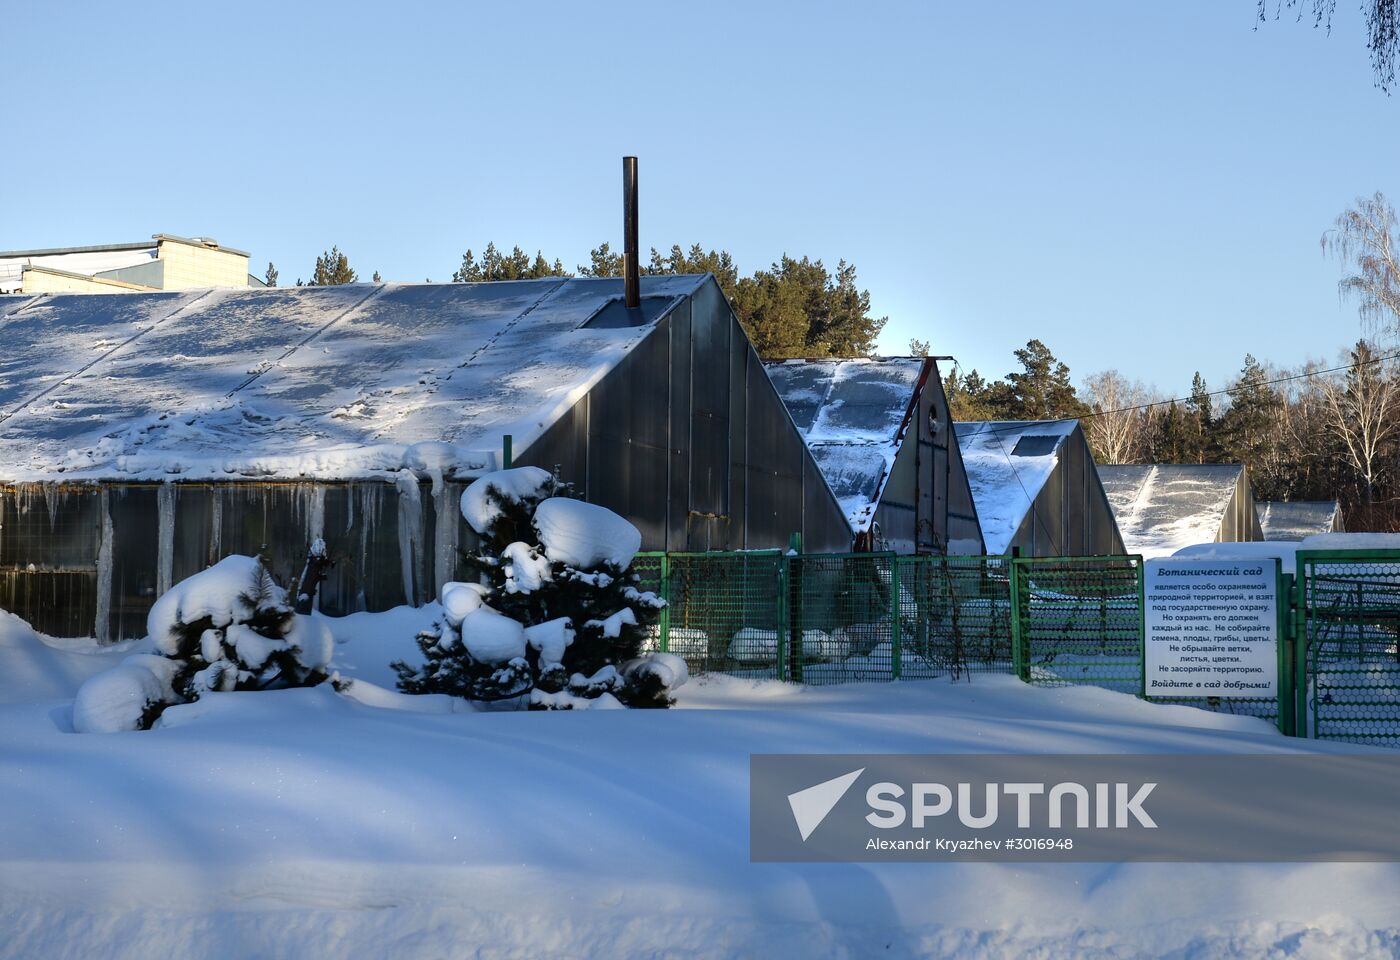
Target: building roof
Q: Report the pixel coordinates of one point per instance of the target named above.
(304, 382)
(1007, 462)
(852, 413)
(1163, 507)
(1296, 519)
(148, 246)
(92, 261)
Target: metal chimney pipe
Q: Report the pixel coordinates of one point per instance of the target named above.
(631, 263)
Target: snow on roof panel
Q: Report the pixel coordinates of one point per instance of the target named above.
(1294, 520)
(328, 382)
(1163, 507)
(850, 413)
(1005, 484)
(58, 335)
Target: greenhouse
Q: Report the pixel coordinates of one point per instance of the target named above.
(143, 436)
(1296, 519)
(1036, 489)
(1162, 507)
(879, 429)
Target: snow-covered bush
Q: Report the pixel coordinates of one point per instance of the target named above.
(127, 697)
(555, 613)
(229, 627)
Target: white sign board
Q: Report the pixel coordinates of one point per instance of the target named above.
(1211, 628)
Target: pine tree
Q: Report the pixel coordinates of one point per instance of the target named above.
(1200, 424)
(1173, 436)
(581, 625)
(332, 269)
(602, 262)
(376, 278)
(1248, 428)
(919, 348)
(1041, 390)
(515, 265)
(270, 278)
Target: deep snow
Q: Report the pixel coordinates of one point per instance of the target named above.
(306, 823)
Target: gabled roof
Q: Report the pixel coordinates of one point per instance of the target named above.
(303, 382)
(853, 414)
(1007, 462)
(1163, 507)
(1296, 519)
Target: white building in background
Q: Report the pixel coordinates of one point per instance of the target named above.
(164, 262)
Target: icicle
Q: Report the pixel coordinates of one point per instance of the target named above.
(446, 525)
(216, 526)
(165, 557)
(316, 513)
(410, 530)
(51, 501)
(103, 624)
(316, 526)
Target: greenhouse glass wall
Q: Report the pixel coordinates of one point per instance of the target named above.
(146, 435)
(1037, 489)
(1162, 507)
(880, 431)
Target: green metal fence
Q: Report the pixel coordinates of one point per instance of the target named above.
(725, 612)
(832, 618)
(1079, 621)
(1348, 628)
(954, 616)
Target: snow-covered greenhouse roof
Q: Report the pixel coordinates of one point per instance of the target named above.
(1294, 520)
(853, 414)
(304, 382)
(1007, 462)
(1163, 507)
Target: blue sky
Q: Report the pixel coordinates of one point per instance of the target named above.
(1140, 185)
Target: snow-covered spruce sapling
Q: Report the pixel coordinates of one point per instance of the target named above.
(557, 568)
(230, 627)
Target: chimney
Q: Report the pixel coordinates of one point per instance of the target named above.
(630, 257)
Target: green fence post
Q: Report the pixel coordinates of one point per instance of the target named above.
(1142, 629)
(1287, 694)
(784, 614)
(894, 618)
(506, 457)
(665, 640)
(795, 620)
(1019, 659)
(1300, 650)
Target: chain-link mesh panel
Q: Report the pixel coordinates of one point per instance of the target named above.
(841, 617)
(1080, 621)
(723, 610)
(954, 616)
(1351, 628)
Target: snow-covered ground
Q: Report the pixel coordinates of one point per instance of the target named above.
(303, 823)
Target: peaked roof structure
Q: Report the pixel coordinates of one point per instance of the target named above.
(1008, 463)
(1166, 506)
(853, 415)
(1296, 519)
(878, 429)
(305, 382)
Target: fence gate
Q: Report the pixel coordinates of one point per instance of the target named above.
(1078, 620)
(1348, 629)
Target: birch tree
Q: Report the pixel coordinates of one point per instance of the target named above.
(1363, 239)
(1363, 410)
(1114, 427)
